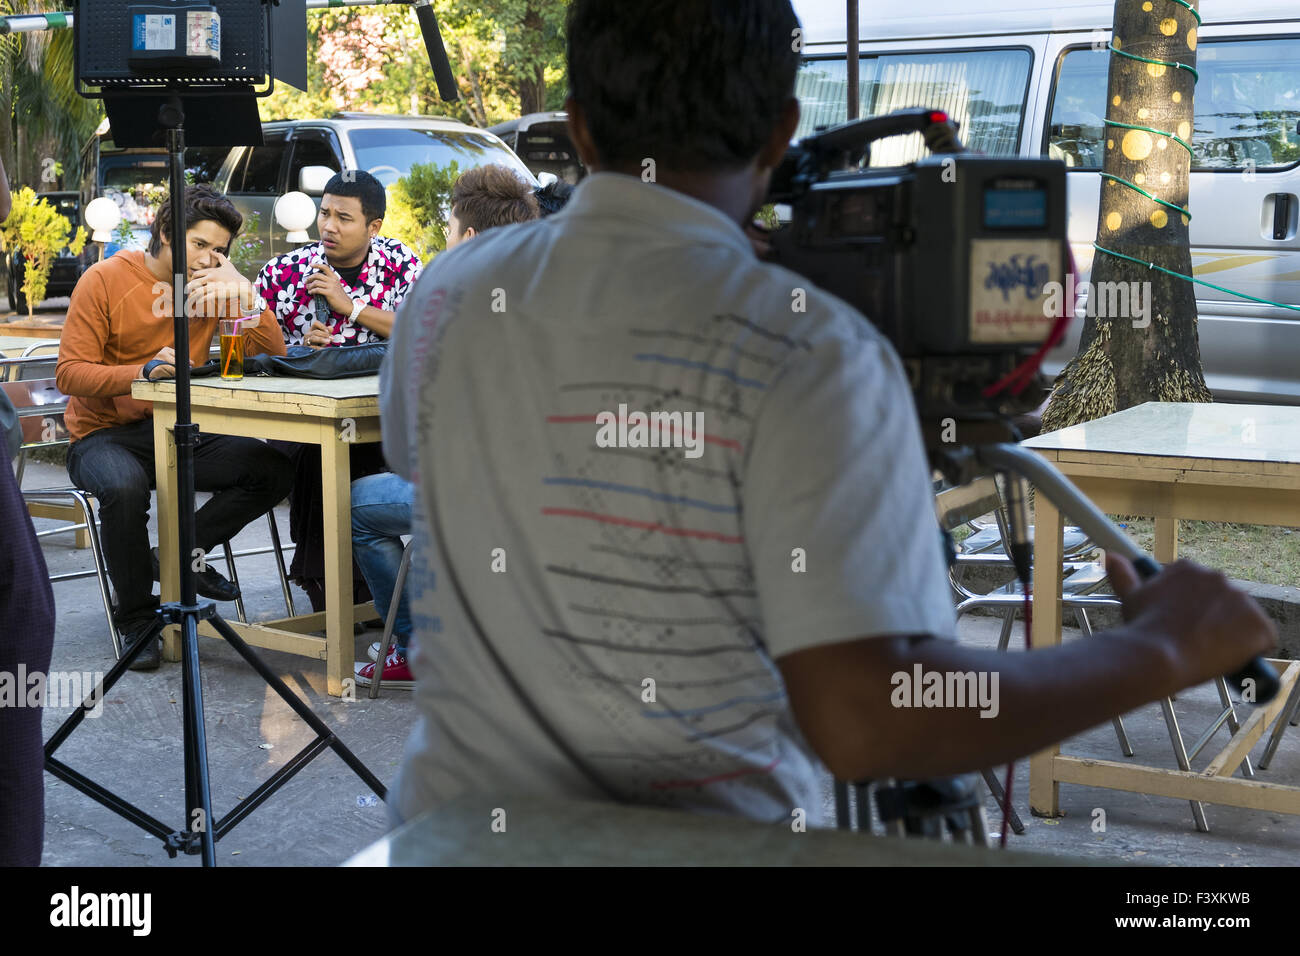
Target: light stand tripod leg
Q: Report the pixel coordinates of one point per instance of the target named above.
(198, 790)
(83, 783)
(300, 708)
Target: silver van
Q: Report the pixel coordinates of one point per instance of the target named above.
(1028, 78)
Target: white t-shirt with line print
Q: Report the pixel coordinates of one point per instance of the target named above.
(657, 465)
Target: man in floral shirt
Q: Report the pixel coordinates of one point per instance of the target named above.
(362, 276)
(363, 279)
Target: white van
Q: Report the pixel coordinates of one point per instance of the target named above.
(1029, 79)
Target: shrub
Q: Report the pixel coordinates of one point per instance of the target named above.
(419, 206)
(38, 230)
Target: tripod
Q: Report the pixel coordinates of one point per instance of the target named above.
(199, 835)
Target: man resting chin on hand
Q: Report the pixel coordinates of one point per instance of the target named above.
(120, 329)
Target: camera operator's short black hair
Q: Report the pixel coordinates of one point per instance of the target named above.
(201, 202)
(359, 183)
(691, 84)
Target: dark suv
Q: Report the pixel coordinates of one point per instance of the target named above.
(542, 141)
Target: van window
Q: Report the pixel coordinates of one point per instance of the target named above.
(983, 91)
(259, 169)
(1247, 105)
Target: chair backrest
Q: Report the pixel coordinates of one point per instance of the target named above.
(956, 506)
(40, 406)
(28, 366)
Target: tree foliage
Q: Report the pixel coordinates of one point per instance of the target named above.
(41, 233)
(419, 207)
(45, 122)
(507, 57)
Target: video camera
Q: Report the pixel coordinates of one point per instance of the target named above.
(948, 257)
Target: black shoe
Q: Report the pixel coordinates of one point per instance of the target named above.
(151, 656)
(209, 583)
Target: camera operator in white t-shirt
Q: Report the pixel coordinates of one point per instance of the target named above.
(674, 524)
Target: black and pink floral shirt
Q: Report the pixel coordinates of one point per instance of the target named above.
(387, 276)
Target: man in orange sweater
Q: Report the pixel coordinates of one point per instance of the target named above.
(119, 329)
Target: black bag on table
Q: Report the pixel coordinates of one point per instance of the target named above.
(301, 361)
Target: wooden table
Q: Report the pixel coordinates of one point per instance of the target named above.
(547, 832)
(331, 414)
(1237, 463)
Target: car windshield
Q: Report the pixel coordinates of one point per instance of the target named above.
(388, 153)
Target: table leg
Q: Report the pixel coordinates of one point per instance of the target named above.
(1166, 544)
(1044, 791)
(336, 473)
(164, 455)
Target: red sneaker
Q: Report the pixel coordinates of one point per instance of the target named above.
(397, 673)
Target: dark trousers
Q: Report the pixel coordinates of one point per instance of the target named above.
(26, 641)
(307, 515)
(116, 465)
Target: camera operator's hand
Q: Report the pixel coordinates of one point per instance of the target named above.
(1209, 627)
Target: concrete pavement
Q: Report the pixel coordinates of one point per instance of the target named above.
(321, 818)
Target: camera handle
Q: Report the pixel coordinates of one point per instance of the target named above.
(1019, 464)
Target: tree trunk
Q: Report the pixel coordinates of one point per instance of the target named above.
(7, 152)
(1139, 341)
(532, 84)
(475, 103)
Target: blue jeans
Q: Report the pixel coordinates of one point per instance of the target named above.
(381, 513)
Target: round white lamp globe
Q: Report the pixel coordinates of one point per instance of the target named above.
(102, 216)
(295, 211)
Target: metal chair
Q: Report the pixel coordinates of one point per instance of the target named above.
(391, 618)
(41, 407)
(1082, 579)
(949, 807)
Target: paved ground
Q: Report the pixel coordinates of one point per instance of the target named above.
(318, 817)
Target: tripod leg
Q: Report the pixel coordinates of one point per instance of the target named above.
(1000, 796)
(198, 789)
(114, 675)
(842, 819)
(299, 708)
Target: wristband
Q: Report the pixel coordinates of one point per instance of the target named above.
(358, 306)
(151, 365)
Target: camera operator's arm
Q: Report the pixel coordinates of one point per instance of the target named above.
(837, 470)
(1188, 625)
